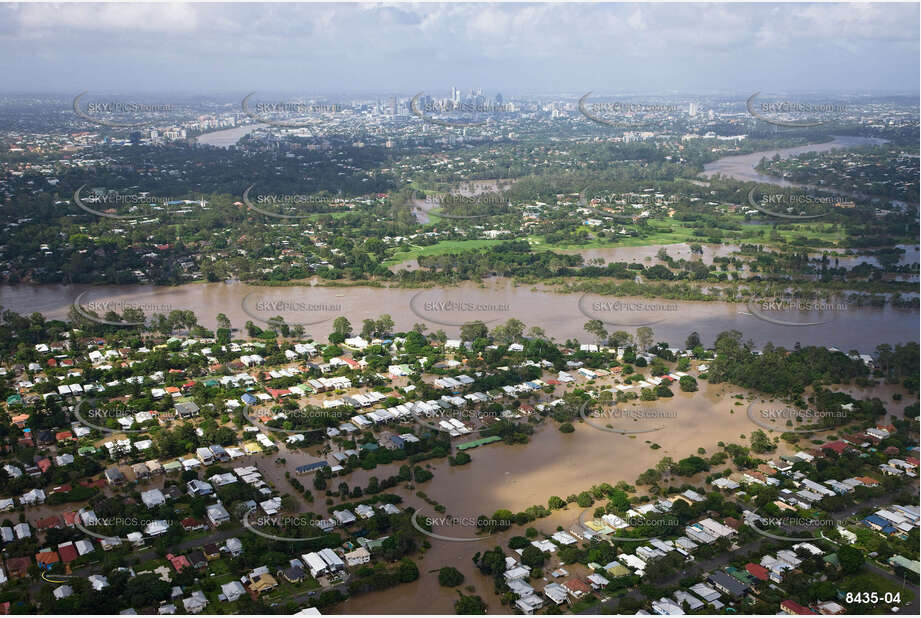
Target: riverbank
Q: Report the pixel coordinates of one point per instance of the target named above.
(561, 315)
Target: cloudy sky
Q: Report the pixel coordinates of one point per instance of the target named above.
(510, 48)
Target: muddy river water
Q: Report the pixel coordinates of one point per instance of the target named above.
(561, 315)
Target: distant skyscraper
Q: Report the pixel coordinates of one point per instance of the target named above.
(455, 94)
(499, 98)
(692, 109)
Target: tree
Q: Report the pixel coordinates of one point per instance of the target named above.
(665, 466)
(536, 332)
(644, 337)
(492, 562)
(449, 576)
(555, 502)
(510, 332)
(342, 326)
(532, 557)
(407, 571)
(692, 341)
(688, 384)
(596, 328)
(384, 325)
(469, 604)
(760, 442)
(223, 321)
(620, 338)
(851, 558)
(471, 331)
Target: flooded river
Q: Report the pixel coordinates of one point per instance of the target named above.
(227, 137)
(742, 167)
(561, 315)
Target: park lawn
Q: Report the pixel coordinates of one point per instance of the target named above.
(826, 238)
(440, 248)
(657, 232)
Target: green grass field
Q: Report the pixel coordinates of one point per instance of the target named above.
(445, 246)
(658, 232)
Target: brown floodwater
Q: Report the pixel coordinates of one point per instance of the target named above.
(742, 167)
(649, 253)
(227, 137)
(515, 477)
(562, 316)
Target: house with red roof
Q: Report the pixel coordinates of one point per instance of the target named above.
(47, 523)
(62, 436)
(179, 562)
(577, 587)
(869, 482)
(61, 489)
(69, 518)
(278, 393)
(190, 524)
(756, 570)
(52, 362)
(794, 609)
(838, 446)
(68, 552)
